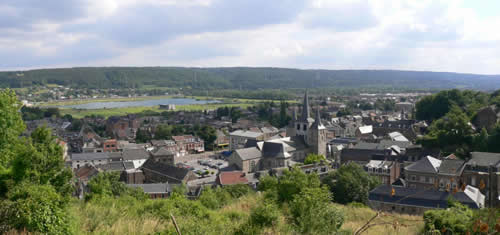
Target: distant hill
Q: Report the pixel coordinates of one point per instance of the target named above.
(245, 78)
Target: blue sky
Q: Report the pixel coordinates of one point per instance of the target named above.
(440, 35)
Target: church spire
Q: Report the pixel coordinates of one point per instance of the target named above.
(317, 122)
(305, 108)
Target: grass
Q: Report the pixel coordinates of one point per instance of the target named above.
(399, 223)
(124, 216)
(86, 101)
(80, 113)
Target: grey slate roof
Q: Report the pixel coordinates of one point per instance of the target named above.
(401, 144)
(153, 188)
(134, 154)
(163, 152)
(451, 167)
(249, 153)
(419, 197)
(170, 171)
(116, 166)
(271, 149)
(425, 165)
(89, 156)
(484, 159)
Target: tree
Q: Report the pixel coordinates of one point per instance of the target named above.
(143, 136)
(107, 184)
(350, 183)
(11, 126)
(292, 182)
(36, 208)
(235, 114)
(284, 118)
(454, 220)
(314, 158)
(451, 133)
(313, 212)
(40, 161)
(208, 134)
(163, 132)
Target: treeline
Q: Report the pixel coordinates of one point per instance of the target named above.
(454, 126)
(244, 78)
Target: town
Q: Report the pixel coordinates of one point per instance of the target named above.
(215, 117)
(211, 150)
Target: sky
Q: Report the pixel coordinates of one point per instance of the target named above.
(441, 35)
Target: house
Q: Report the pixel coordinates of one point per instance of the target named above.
(122, 127)
(397, 136)
(238, 138)
(222, 140)
(189, 143)
(81, 159)
(231, 178)
(423, 173)
(364, 132)
(483, 171)
(167, 106)
(164, 155)
(363, 152)
(416, 201)
(387, 171)
(136, 156)
(110, 145)
(160, 190)
(406, 107)
(158, 172)
(450, 174)
(246, 159)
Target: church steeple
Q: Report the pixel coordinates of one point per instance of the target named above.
(305, 109)
(317, 122)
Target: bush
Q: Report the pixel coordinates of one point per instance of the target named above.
(36, 208)
(265, 215)
(313, 212)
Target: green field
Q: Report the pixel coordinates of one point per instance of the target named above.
(80, 113)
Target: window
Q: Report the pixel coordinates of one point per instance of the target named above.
(298, 127)
(252, 165)
(473, 181)
(305, 127)
(413, 177)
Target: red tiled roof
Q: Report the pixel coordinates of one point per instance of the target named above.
(232, 177)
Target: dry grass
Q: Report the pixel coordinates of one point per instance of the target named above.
(399, 224)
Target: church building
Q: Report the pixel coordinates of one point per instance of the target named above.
(304, 135)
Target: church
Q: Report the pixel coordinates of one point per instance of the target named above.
(304, 135)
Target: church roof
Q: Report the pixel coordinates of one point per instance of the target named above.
(306, 116)
(317, 123)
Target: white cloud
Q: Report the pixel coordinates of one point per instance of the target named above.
(332, 34)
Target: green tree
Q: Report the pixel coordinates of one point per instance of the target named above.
(451, 133)
(143, 136)
(163, 132)
(107, 184)
(313, 212)
(284, 118)
(40, 161)
(208, 134)
(36, 208)
(351, 183)
(314, 158)
(11, 126)
(266, 214)
(292, 182)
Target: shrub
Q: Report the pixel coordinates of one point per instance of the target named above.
(265, 214)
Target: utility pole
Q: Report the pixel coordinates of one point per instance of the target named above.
(490, 186)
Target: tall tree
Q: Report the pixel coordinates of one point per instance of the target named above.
(11, 126)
